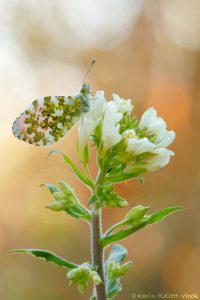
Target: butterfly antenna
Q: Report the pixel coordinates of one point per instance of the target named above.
(90, 67)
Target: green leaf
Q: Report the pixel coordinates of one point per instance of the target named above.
(76, 171)
(146, 220)
(125, 177)
(78, 212)
(114, 288)
(46, 255)
(118, 253)
(163, 213)
(122, 234)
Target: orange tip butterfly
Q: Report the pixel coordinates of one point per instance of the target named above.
(48, 119)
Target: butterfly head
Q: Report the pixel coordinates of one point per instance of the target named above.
(85, 89)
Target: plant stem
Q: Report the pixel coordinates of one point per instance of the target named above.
(97, 249)
(88, 174)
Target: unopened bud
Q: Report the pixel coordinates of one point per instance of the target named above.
(81, 276)
(136, 213)
(115, 270)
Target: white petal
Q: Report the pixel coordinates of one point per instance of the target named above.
(85, 130)
(110, 135)
(123, 106)
(167, 139)
(111, 115)
(139, 146)
(160, 160)
(148, 116)
(99, 94)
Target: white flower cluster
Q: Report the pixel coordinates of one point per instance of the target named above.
(115, 126)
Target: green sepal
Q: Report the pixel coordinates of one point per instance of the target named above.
(96, 140)
(83, 154)
(47, 256)
(76, 171)
(128, 122)
(118, 178)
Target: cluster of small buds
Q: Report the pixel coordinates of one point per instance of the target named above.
(123, 139)
(81, 276)
(64, 198)
(110, 198)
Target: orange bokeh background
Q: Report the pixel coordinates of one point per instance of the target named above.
(147, 51)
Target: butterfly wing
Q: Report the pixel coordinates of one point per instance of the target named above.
(48, 119)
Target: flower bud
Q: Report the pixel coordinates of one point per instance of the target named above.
(85, 131)
(55, 206)
(94, 276)
(81, 276)
(115, 270)
(58, 196)
(88, 125)
(123, 106)
(65, 188)
(136, 213)
(155, 129)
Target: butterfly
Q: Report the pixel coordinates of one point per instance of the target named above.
(47, 119)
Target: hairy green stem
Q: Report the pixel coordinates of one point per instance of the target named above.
(97, 249)
(89, 175)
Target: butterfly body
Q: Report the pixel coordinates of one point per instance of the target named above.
(49, 118)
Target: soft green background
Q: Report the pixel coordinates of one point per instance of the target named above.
(148, 51)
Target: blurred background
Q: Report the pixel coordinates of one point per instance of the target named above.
(148, 51)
